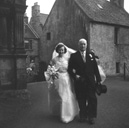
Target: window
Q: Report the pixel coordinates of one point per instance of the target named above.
(116, 35)
(48, 36)
(28, 44)
(117, 67)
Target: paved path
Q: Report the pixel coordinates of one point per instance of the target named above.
(113, 109)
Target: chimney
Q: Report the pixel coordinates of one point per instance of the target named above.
(35, 9)
(25, 18)
(119, 3)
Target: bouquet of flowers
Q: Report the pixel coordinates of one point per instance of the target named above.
(51, 74)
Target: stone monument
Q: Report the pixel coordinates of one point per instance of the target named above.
(12, 53)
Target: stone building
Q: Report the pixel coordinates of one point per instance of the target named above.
(37, 22)
(38, 19)
(31, 42)
(104, 23)
(12, 53)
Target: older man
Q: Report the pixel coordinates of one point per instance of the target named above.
(83, 68)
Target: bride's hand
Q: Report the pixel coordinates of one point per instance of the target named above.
(61, 69)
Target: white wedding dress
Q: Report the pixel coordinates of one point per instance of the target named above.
(62, 101)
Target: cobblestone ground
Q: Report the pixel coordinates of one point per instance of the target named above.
(113, 109)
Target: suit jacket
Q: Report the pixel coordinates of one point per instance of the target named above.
(87, 70)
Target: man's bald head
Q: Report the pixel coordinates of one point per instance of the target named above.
(82, 44)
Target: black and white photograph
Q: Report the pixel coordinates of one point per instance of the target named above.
(64, 63)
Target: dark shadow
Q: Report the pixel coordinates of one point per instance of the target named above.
(42, 68)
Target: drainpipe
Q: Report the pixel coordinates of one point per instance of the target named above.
(124, 70)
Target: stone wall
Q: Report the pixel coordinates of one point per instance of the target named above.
(123, 49)
(102, 41)
(12, 72)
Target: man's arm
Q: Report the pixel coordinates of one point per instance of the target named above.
(70, 67)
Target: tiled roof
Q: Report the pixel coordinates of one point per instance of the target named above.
(104, 11)
(31, 33)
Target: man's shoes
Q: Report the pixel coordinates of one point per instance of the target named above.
(91, 121)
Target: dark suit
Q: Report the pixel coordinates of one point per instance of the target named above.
(85, 85)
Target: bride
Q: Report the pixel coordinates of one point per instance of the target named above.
(61, 98)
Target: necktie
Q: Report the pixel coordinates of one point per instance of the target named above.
(83, 57)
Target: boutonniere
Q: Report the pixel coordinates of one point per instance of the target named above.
(74, 71)
(91, 56)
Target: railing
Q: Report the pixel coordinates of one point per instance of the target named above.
(126, 69)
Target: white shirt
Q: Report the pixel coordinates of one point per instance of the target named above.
(83, 55)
